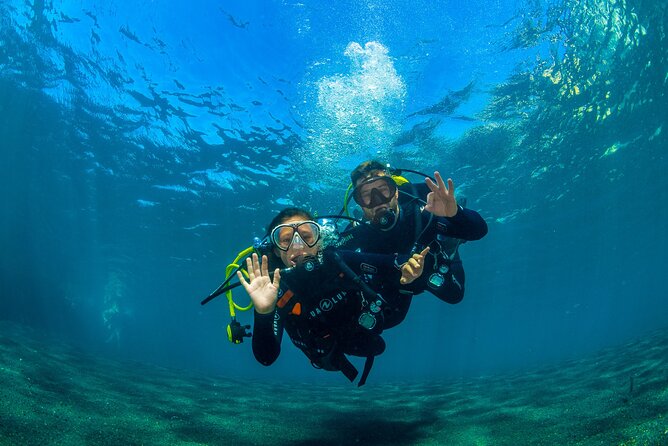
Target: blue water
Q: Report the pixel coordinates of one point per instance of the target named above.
(144, 145)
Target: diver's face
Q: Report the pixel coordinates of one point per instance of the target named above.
(370, 213)
(298, 243)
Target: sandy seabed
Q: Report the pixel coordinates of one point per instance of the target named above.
(53, 393)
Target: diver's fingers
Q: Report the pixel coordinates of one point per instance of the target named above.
(419, 258)
(451, 186)
(439, 181)
(432, 186)
(407, 274)
(256, 266)
(430, 202)
(249, 269)
(277, 278)
(264, 266)
(414, 264)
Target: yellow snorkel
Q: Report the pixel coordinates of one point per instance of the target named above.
(235, 331)
(229, 271)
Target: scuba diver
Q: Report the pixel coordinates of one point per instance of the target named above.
(407, 218)
(322, 298)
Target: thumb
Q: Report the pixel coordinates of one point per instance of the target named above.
(245, 284)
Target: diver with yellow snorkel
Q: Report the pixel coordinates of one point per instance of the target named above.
(403, 218)
(318, 294)
(322, 299)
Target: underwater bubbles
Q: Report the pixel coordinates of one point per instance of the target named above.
(358, 113)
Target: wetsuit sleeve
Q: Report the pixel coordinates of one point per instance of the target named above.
(467, 224)
(267, 335)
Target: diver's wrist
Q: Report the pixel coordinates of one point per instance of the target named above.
(265, 310)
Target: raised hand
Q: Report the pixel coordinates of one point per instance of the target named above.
(262, 290)
(412, 269)
(441, 200)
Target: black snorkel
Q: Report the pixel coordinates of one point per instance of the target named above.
(260, 246)
(399, 171)
(223, 288)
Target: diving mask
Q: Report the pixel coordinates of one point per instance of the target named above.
(375, 191)
(296, 235)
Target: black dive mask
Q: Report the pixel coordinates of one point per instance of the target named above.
(377, 198)
(375, 191)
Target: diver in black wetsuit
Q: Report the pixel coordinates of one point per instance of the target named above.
(320, 300)
(405, 219)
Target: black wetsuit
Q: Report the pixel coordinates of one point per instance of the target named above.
(323, 311)
(443, 274)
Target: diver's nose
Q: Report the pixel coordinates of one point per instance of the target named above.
(297, 242)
